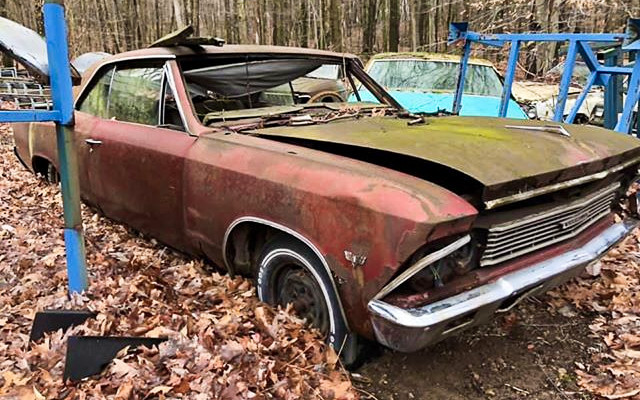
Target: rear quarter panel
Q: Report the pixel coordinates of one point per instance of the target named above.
(35, 140)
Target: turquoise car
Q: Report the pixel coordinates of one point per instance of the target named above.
(426, 82)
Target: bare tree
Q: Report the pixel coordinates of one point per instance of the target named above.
(358, 26)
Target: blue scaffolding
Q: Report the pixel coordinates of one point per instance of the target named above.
(62, 114)
(578, 44)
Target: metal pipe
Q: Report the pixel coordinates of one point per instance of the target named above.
(462, 74)
(633, 94)
(583, 95)
(611, 90)
(62, 96)
(508, 79)
(565, 83)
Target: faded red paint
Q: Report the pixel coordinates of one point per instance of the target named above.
(187, 190)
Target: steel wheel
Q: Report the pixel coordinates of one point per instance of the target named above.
(288, 272)
(297, 287)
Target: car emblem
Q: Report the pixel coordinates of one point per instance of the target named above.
(577, 220)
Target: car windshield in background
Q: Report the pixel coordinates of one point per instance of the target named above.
(435, 76)
(580, 75)
(326, 71)
(232, 87)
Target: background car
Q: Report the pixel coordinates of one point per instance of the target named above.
(426, 83)
(539, 98)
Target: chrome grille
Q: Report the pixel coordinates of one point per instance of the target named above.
(515, 238)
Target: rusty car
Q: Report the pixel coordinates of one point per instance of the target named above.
(370, 221)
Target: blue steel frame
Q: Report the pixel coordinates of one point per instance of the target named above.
(62, 114)
(579, 43)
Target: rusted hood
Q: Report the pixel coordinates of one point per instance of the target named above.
(503, 159)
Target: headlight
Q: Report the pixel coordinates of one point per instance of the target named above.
(434, 265)
(532, 113)
(445, 269)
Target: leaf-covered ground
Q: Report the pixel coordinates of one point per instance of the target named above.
(223, 343)
(615, 298)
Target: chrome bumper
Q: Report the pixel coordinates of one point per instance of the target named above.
(412, 329)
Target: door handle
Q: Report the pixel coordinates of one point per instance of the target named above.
(93, 142)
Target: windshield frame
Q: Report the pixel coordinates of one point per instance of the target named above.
(352, 68)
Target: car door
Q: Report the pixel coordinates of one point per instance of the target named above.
(134, 149)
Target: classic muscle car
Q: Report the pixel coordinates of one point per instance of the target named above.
(371, 221)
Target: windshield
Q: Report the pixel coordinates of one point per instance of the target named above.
(248, 87)
(580, 75)
(435, 76)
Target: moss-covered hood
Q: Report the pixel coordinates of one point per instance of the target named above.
(505, 160)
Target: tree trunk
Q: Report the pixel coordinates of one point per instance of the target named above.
(335, 20)
(394, 25)
(369, 31)
(177, 11)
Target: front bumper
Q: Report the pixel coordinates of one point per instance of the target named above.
(412, 329)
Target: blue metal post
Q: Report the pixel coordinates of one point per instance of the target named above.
(462, 74)
(633, 94)
(62, 96)
(565, 83)
(509, 77)
(611, 92)
(583, 95)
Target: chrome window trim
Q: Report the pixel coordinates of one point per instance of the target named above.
(422, 264)
(115, 62)
(291, 232)
(172, 85)
(490, 204)
(113, 74)
(163, 95)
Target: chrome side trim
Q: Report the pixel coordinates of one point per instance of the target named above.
(293, 233)
(490, 204)
(422, 264)
(413, 329)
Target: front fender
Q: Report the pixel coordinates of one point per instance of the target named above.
(342, 206)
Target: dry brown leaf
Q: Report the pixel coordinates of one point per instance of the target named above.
(221, 338)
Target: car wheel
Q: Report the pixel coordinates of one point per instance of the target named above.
(581, 119)
(52, 175)
(290, 273)
(326, 97)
